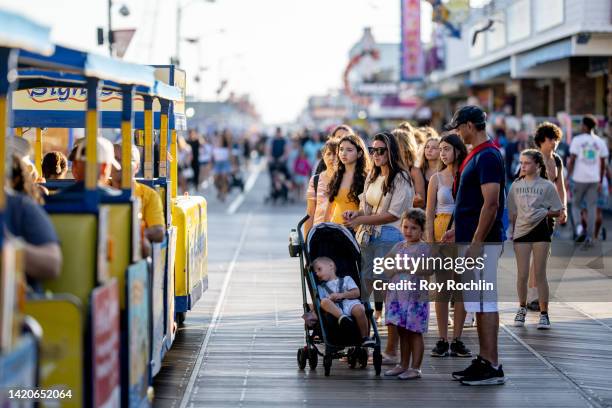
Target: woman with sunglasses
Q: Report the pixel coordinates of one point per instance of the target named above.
(387, 194)
(349, 178)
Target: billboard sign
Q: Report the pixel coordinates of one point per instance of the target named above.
(412, 61)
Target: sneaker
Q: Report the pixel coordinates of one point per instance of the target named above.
(410, 374)
(368, 342)
(534, 305)
(544, 323)
(345, 322)
(481, 372)
(519, 319)
(397, 370)
(388, 359)
(441, 349)
(458, 349)
(459, 375)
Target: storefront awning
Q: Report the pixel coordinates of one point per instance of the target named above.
(490, 71)
(547, 53)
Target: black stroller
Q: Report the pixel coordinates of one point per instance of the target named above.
(336, 242)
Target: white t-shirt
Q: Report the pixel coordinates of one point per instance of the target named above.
(349, 284)
(220, 154)
(530, 201)
(589, 149)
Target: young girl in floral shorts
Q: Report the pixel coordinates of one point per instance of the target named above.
(408, 310)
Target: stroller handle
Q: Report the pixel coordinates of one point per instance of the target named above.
(299, 226)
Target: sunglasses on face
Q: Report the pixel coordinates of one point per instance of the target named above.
(377, 150)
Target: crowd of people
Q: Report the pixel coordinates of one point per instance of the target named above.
(404, 190)
(219, 156)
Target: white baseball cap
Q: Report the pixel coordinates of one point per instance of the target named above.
(104, 149)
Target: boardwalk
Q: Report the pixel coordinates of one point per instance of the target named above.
(239, 347)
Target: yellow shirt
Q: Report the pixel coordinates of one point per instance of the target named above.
(151, 205)
(341, 204)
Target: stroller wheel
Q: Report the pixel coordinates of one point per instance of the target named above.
(363, 357)
(313, 358)
(377, 360)
(327, 363)
(302, 354)
(352, 357)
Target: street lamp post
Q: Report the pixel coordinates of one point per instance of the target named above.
(179, 14)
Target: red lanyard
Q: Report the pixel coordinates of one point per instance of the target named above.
(465, 162)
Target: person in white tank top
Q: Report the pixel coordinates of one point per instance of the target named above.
(440, 208)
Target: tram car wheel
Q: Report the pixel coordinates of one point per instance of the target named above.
(180, 318)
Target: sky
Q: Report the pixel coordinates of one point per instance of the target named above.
(278, 51)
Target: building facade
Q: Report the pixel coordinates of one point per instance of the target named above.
(537, 57)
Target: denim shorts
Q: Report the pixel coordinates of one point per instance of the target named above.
(388, 234)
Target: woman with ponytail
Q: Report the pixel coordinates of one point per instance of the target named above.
(349, 179)
(532, 202)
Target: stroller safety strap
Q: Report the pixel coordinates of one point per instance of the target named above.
(340, 289)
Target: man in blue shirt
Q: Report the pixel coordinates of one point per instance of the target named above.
(479, 206)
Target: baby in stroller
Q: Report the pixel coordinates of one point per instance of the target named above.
(338, 322)
(340, 298)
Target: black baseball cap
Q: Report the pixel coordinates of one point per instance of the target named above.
(469, 113)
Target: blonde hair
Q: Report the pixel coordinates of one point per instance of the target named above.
(407, 145)
(323, 259)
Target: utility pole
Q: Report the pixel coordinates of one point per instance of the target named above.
(177, 47)
(110, 28)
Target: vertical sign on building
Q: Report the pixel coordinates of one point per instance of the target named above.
(412, 62)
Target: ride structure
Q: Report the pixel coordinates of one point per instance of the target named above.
(111, 316)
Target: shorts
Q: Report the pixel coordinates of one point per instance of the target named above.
(482, 298)
(348, 305)
(603, 198)
(540, 233)
(222, 167)
(441, 225)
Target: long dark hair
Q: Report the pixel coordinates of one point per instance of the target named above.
(538, 158)
(394, 161)
(459, 149)
(361, 170)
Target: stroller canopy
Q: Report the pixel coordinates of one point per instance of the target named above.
(336, 242)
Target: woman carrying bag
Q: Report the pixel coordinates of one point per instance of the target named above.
(387, 194)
